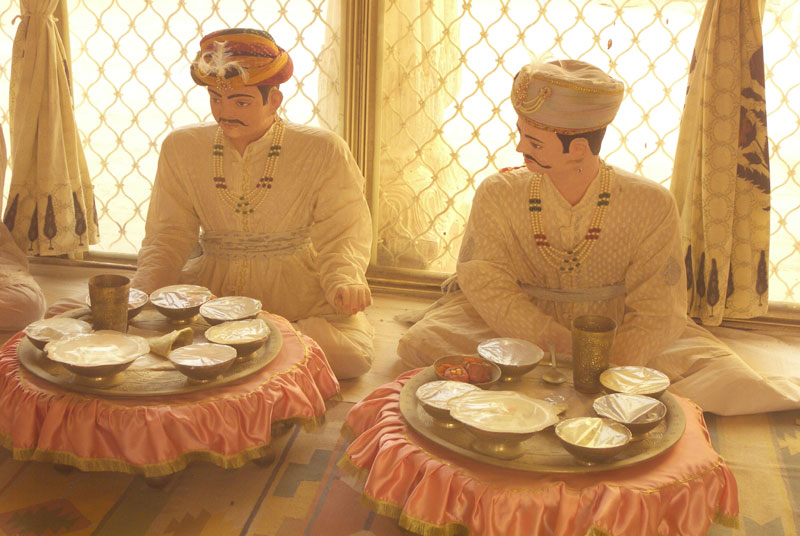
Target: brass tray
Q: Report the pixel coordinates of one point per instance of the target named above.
(135, 382)
(543, 453)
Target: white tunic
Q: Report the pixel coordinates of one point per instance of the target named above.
(639, 248)
(313, 229)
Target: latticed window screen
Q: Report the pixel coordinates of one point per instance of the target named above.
(131, 84)
(446, 120)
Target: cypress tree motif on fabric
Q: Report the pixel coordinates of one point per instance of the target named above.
(33, 228)
(762, 284)
(94, 212)
(689, 275)
(701, 276)
(11, 214)
(713, 286)
(50, 228)
(80, 219)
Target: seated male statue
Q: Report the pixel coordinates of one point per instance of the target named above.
(566, 235)
(562, 236)
(278, 207)
(21, 298)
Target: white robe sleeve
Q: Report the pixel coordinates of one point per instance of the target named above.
(655, 302)
(342, 227)
(487, 278)
(172, 225)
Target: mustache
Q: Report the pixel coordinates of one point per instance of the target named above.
(529, 157)
(232, 121)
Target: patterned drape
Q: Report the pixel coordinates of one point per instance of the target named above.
(419, 174)
(721, 175)
(50, 207)
(3, 165)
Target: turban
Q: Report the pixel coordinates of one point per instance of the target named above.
(240, 57)
(566, 96)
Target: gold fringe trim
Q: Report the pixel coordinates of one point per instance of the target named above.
(726, 520)
(347, 433)
(352, 470)
(428, 529)
(147, 470)
(411, 524)
(419, 526)
(179, 463)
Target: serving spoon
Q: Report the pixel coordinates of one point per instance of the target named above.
(553, 375)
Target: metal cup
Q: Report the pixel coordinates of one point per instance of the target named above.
(108, 296)
(592, 338)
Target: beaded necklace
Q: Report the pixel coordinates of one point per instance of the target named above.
(569, 261)
(248, 202)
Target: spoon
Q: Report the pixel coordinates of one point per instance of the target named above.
(553, 375)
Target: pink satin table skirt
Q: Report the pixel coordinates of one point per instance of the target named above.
(431, 490)
(155, 436)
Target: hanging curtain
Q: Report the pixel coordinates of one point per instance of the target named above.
(3, 165)
(51, 208)
(721, 176)
(419, 178)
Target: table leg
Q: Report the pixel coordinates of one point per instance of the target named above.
(158, 482)
(63, 469)
(281, 428)
(266, 459)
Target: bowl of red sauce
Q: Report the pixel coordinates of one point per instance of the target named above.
(467, 368)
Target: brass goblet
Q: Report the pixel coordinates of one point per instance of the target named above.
(592, 338)
(108, 296)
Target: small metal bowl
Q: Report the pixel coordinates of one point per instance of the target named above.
(229, 308)
(137, 299)
(463, 361)
(635, 380)
(593, 439)
(180, 303)
(639, 413)
(515, 357)
(501, 420)
(203, 362)
(434, 396)
(246, 336)
(97, 358)
(48, 330)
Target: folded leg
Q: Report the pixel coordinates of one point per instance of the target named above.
(347, 341)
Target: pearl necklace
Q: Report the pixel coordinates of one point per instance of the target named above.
(249, 201)
(571, 260)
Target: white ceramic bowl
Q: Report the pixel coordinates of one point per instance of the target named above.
(98, 354)
(229, 308)
(203, 361)
(48, 330)
(180, 302)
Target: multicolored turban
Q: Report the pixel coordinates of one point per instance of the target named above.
(240, 57)
(566, 96)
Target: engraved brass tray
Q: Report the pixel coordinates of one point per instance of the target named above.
(542, 453)
(135, 381)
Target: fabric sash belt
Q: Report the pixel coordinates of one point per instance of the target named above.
(575, 295)
(240, 244)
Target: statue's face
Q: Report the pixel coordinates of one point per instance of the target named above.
(541, 148)
(242, 113)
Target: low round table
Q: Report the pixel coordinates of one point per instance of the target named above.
(432, 490)
(159, 435)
